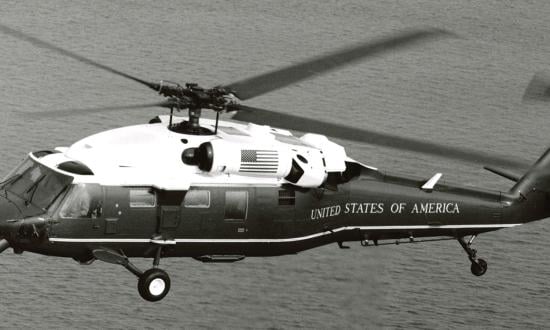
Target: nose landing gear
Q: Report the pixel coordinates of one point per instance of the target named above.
(479, 266)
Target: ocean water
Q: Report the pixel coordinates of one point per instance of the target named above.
(463, 91)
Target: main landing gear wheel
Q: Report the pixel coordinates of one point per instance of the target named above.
(154, 284)
(479, 267)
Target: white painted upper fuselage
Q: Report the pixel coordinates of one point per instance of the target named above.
(151, 155)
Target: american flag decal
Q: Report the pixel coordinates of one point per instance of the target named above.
(263, 161)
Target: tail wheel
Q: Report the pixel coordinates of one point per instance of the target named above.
(154, 284)
(479, 267)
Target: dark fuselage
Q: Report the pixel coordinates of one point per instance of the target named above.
(266, 220)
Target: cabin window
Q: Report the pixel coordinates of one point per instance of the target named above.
(142, 198)
(236, 205)
(197, 199)
(82, 201)
(287, 197)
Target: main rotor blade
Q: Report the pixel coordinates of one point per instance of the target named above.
(77, 112)
(267, 82)
(277, 119)
(538, 89)
(43, 44)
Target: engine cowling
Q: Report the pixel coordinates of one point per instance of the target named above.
(221, 156)
(304, 168)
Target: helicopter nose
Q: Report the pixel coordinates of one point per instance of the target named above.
(8, 231)
(10, 216)
(18, 233)
(19, 225)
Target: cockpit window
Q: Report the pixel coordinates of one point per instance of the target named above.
(36, 184)
(16, 172)
(82, 201)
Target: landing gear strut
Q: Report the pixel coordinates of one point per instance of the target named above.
(479, 266)
(153, 284)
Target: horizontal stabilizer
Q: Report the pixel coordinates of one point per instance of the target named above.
(430, 184)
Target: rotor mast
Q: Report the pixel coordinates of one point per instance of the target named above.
(193, 98)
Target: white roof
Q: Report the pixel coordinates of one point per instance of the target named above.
(150, 155)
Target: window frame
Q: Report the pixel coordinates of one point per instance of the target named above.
(245, 215)
(69, 196)
(149, 191)
(197, 206)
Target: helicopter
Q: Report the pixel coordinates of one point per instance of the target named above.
(221, 191)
